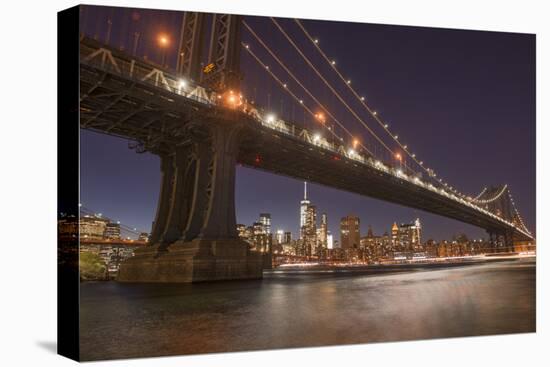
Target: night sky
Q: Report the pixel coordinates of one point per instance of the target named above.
(463, 101)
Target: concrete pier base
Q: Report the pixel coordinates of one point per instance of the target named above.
(196, 261)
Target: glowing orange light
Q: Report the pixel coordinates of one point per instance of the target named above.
(355, 143)
(233, 99)
(163, 40)
(320, 117)
(398, 156)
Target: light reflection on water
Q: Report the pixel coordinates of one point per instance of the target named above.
(299, 309)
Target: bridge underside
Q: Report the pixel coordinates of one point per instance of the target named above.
(194, 233)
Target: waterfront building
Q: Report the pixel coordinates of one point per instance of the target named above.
(92, 226)
(112, 231)
(408, 236)
(349, 232)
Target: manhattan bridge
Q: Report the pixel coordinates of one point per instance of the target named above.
(187, 106)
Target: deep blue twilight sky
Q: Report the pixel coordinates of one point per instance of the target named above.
(464, 101)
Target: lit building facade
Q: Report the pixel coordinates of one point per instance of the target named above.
(112, 231)
(92, 227)
(330, 241)
(303, 211)
(309, 231)
(349, 232)
(265, 219)
(323, 232)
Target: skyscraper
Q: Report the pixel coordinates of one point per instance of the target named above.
(309, 230)
(287, 237)
(330, 242)
(409, 236)
(303, 209)
(265, 219)
(323, 231)
(349, 232)
(279, 236)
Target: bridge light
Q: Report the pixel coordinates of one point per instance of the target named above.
(399, 172)
(163, 40)
(396, 137)
(398, 156)
(284, 85)
(349, 81)
(355, 143)
(362, 98)
(316, 40)
(270, 118)
(182, 84)
(414, 155)
(301, 101)
(316, 138)
(333, 62)
(351, 152)
(374, 113)
(386, 126)
(233, 99)
(320, 117)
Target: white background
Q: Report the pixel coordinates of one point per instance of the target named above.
(28, 182)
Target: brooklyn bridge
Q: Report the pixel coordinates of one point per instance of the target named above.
(197, 120)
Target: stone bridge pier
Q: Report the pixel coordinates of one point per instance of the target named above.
(194, 236)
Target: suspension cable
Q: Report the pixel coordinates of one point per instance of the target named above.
(268, 49)
(332, 89)
(372, 112)
(487, 201)
(285, 87)
(480, 194)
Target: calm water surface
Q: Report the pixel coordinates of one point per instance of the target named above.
(305, 308)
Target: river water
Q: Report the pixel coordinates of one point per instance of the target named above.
(300, 308)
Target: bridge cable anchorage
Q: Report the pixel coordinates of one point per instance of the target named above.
(306, 59)
(371, 111)
(283, 85)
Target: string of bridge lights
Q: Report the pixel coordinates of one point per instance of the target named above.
(319, 117)
(487, 201)
(374, 113)
(293, 95)
(480, 194)
(331, 88)
(517, 213)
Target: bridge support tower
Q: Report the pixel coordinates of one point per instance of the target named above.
(194, 236)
